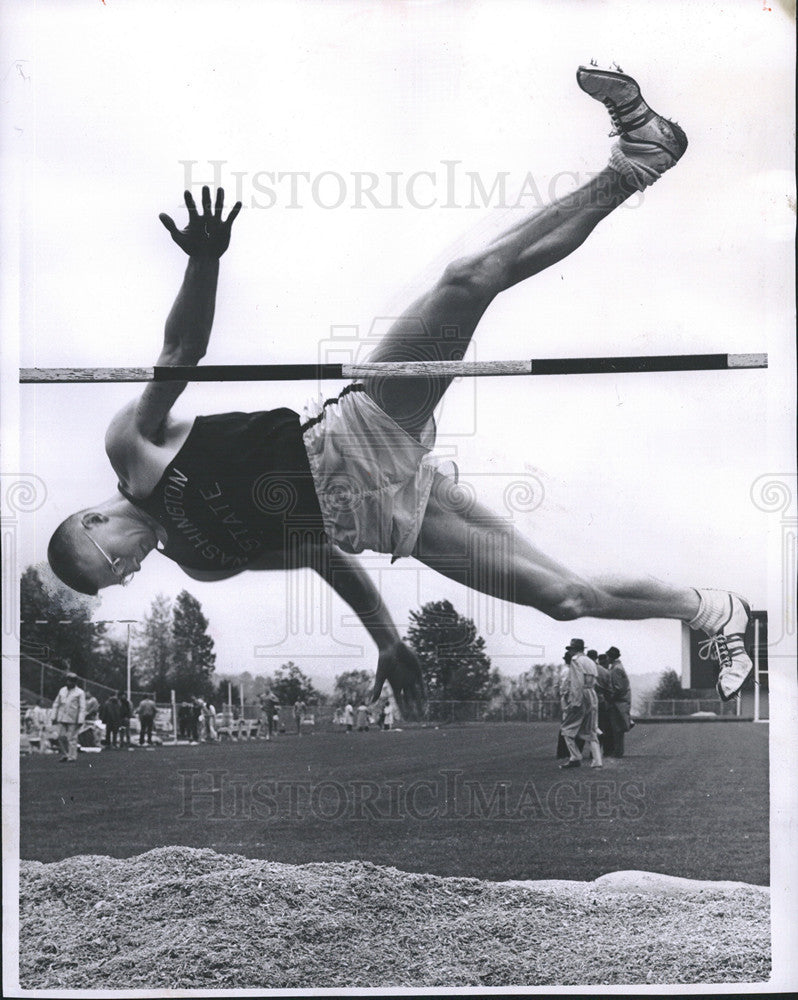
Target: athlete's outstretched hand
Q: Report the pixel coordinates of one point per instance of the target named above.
(399, 666)
(206, 235)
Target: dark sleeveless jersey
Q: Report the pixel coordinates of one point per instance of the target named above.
(240, 486)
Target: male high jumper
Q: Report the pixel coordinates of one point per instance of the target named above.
(269, 490)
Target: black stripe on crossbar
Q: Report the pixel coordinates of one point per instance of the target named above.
(649, 363)
(246, 373)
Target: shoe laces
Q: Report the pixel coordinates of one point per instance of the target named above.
(715, 648)
(615, 118)
(617, 113)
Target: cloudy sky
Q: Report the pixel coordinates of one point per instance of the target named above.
(301, 110)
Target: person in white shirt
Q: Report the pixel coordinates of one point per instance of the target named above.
(362, 718)
(37, 724)
(581, 713)
(69, 714)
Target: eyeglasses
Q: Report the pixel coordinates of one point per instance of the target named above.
(117, 565)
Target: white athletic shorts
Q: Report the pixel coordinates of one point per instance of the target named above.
(372, 478)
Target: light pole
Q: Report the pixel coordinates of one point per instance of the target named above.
(128, 657)
(129, 664)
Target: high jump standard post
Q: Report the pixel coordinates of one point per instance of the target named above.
(756, 671)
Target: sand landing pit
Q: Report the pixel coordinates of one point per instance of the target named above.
(179, 917)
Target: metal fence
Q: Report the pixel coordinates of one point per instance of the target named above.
(492, 711)
(683, 707)
(244, 724)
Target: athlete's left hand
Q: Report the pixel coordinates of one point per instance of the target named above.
(206, 236)
(400, 666)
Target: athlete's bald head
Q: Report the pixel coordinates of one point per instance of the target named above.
(65, 555)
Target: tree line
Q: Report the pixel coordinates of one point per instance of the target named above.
(172, 650)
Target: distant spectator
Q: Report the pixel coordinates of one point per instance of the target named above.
(267, 709)
(266, 703)
(604, 693)
(146, 713)
(362, 718)
(92, 708)
(210, 723)
(263, 731)
(111, 715)
(621, 708)
(565, 669)
(36, 718)
(195, 719)
(126, 712)
(387, 721)
(242, 726)
(299, 715)
(349, 717)
(273, 711)
(205, 727)
(581, 715)
(225, 722)
(69, 714)
(184, 715)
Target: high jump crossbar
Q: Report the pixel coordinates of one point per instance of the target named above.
(399, 369)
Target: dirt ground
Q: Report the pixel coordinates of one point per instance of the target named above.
(179, 917)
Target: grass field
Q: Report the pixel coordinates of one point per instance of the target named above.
(486, 801)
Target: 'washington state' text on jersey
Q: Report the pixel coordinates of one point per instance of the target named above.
(240, 486)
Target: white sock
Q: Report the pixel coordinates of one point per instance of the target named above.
(713, 611)
(636, 172)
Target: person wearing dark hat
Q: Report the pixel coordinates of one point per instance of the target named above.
(621, 701)
(581, 714)
(604, 694)
(69, 714)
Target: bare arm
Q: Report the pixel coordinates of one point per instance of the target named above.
(188, 326)
(352, 583)
(397, 663)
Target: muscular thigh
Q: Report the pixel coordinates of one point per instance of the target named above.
(465, 540)
(438, 326)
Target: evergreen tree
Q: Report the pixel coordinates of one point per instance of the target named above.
(153, 651)
(193, 658)
(110, 659)
(669, 687)
(451, 653)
